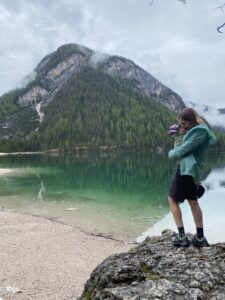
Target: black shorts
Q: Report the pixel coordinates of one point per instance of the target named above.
(182, 187)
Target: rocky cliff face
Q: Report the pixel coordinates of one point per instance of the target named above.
(157, 270)
(35, 94)
(60, 71)
(53, 80)
(126, 69)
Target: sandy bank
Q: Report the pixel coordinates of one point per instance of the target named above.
(5, 171)
(44, 259)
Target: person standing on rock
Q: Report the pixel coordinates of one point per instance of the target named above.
(190, 155)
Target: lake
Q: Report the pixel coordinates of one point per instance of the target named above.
(119, 195)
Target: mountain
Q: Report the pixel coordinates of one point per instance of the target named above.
(77, 97)
(215, 116)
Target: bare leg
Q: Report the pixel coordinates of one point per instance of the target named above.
(176, 212)
(197, 213)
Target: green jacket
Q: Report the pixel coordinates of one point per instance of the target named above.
(192, 152)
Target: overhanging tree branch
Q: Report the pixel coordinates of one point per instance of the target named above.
(221, 26)
(218, 28)
(221, 7)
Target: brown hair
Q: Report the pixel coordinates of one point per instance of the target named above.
(189, 114)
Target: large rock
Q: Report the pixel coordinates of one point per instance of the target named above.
(156, 269)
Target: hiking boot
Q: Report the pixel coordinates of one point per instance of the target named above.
(199, 242)
(178, 240)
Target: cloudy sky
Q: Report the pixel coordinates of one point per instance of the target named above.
(176, 43)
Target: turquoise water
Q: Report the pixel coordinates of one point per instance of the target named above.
(121, 195)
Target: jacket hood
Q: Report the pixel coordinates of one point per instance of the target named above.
(212, 139)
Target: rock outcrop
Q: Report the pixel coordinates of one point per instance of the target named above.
(34, 95)
(126, 69)
(156, 269)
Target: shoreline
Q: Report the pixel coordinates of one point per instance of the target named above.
(5, 171)
(29, 152)
(102, 150)
(41, 257)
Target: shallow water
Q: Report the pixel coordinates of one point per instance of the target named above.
(119, 195)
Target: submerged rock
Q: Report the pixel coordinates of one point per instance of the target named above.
(156, 269)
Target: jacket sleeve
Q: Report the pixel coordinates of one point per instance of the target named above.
(196, 139)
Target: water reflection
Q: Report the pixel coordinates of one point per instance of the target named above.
(123, 194)
(136, 177)
(41, 191)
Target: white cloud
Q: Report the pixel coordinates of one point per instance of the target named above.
(178, 44)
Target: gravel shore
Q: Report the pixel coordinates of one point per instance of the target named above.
(43, 259)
